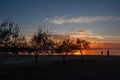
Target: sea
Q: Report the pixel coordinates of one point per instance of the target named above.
(9, 58)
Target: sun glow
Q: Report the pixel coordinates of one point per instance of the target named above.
(78, 52)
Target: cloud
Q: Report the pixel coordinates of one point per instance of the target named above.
(97, 41)
(90, 36)
(79, 33)
(82, 19)
(103, 39)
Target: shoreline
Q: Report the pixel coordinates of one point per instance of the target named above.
(16, 59)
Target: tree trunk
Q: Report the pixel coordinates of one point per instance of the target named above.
(81, 55)
(36, 56)
(64, 57)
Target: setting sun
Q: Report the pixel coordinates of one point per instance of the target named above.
(76, 53)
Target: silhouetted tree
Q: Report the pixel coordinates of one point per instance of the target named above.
(10, 37)
(49, 46)
(19, 42)
(82, 45)
(41, 41)
(65, 47)
(59, 48)
(8, 31)
(108, 53)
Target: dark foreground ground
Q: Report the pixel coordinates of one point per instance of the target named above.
(72, 69)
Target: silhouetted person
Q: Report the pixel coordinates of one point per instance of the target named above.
(108, 53)
(101, 52)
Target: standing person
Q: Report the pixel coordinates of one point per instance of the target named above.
(108, 53)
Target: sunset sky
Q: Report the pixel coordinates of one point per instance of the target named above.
(98, 21)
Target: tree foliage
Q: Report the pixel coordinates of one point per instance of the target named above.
(69, 45)
(82, 45)
(8, 31)
(42, 40)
